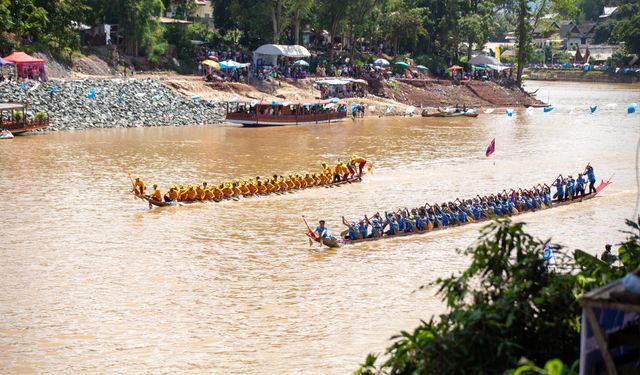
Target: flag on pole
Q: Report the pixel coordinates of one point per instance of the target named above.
(92, 93)
(492, 147)
(22, 86)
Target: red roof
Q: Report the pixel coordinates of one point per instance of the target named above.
(23, 58)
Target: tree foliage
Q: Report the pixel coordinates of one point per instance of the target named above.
(504, 307)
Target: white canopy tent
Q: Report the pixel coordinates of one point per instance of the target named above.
(269, 53)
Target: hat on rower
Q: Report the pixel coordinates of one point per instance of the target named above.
(607, 247)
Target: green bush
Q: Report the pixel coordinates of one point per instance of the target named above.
(18, 116)
(41, 116)
(504, 307)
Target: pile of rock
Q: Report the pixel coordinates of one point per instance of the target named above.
(115, 103)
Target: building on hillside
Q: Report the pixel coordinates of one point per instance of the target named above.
(580, 35)
(201, 11)
(564, 34)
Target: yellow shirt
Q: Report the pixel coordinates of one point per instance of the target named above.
(191, 194)
(173, 194)
(156, 195)
(208, 194)
(137, 185)
(309, 180)
(217, 193)
(358, 160)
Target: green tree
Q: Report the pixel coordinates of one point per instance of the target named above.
(404, 25)
(297, 11)
(140, 22)
(332, 13)
(628, 32)
(506, 306)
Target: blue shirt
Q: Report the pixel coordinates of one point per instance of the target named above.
(408, 226)
(560, 188)
(580, 182)
(591, 175)
(363, 229)
(352, 234)
(391, 226)
(324, 233)
(476, 212)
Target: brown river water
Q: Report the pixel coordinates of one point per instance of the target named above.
(92, 281)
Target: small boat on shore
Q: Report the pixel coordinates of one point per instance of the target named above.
(451, 112)
(275, 113)
(333, 242)
(5, 134)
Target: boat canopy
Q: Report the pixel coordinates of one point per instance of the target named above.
(302, 102)
(340, 81)
(268, 53)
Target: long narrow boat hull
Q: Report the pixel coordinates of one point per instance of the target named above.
(152, 202)
(455, 114)
(600, 187)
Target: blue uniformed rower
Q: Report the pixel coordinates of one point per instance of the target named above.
(591, 177)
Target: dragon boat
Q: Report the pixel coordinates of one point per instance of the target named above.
(333, 242)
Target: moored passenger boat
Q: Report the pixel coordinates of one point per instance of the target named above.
(299, 112)
(14, 118)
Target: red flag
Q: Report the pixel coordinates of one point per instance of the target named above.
(492, 147)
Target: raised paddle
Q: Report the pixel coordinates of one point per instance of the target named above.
(310, 233)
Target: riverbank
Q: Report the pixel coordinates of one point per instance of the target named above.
(117, 103)
(160, 99)
(579, 76)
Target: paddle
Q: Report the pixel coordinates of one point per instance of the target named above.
(133, 186)
(310, 234)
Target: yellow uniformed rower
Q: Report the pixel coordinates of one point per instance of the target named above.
(191, 194)
(156, 195)
(217, 192)
(326, 170)
(262, 189)
(172, 195)
(138, 187)
(199, 192)
(227, 191)
(359, 162)
(309, 180)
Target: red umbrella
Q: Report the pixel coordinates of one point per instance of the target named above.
(456, 67)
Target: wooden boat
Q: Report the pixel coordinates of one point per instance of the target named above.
(468, 113)
(5, 134)
(152, 202)
(19, 124)
(556, 203)
(300, 112)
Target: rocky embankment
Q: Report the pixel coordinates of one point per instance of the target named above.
(116, 103)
